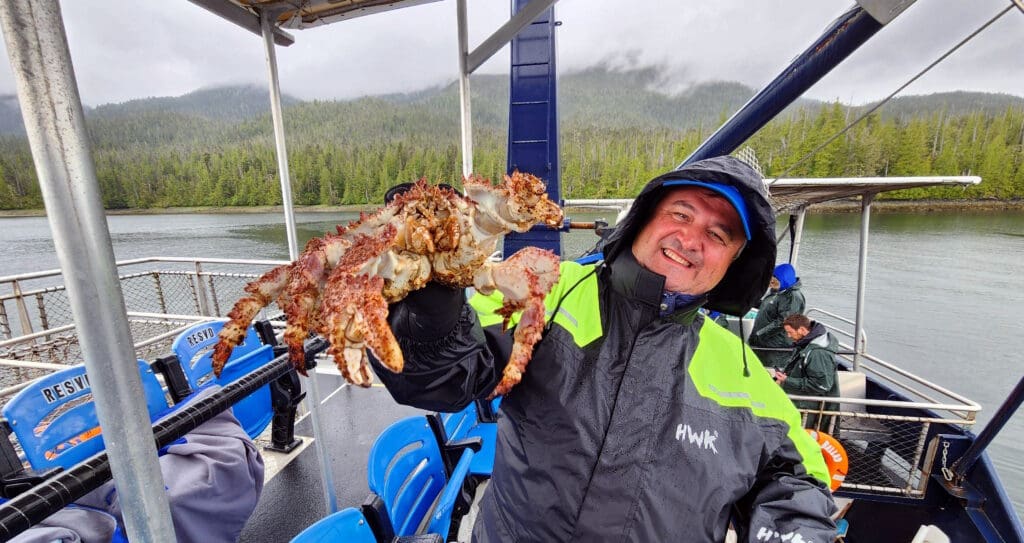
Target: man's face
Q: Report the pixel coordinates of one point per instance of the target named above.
(795, 334)
(692, 237)
(774, 284)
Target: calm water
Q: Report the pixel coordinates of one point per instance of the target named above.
(937, 283)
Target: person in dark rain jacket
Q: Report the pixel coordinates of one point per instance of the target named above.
(638, 419)
(784, 300)
(811, 370)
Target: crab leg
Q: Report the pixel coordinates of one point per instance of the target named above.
(354, 312)
(524, 279)
(261, 292)
(354, 319)
(303, 291)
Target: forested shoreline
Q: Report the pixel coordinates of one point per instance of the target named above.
(350, 153)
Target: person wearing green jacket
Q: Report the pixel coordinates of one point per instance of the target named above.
(811, 370)
(784, 300)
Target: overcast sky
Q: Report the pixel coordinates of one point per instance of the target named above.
(125, 49)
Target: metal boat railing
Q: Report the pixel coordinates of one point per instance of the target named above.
(891, 444)
(888, 441)
(838, 330)
(917, 387)
(163, 296)
(892, 452)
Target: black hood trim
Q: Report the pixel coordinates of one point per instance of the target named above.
(817, 330)
(747, 278)
(635, 282)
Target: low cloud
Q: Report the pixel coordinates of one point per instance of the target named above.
(125, 50)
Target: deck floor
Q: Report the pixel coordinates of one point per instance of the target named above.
(292, 496)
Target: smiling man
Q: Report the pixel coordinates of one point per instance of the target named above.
(637, 418)
(693, 235)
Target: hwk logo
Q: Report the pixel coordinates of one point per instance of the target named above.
(705, 439)
(766, 534)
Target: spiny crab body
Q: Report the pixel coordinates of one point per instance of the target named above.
(341, 284)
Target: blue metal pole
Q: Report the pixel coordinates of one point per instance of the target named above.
(1002, 416)
(533, 119)
(843, 37)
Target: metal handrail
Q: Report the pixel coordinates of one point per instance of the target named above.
(921, 380)
(972, 407)
(863, 333)
(146, 260)
(26, 364)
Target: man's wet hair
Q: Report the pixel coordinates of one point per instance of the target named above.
(796, 321)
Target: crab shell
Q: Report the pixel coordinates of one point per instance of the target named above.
(341, 284)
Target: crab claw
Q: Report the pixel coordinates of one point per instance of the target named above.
(354, 318)
(261, 292)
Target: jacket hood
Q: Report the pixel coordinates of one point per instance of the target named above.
(786, 276)
(748, 276)
(818, 336)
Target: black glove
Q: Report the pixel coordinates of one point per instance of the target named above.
(427, 314)
(403, 187)
(395, 191)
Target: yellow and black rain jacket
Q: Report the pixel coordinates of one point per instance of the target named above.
(628, 426)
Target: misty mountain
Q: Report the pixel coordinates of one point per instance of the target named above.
(603, 98)
(222, 104)
(598, 98)
(948, 104)
(215, 147)
(230, 103)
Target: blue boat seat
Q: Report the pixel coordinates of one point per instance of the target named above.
(466, 424)
(441, 516)
(842, 527)
(458, 423)
(348, 525)
(55, 421)
(406, 470)
(194, 349)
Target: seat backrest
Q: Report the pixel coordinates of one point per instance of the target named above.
(194, 349)
(930, 534)
(405, 469)
(54, 418)
(852, 384)
(441, 516)
(465, 424)
(458, 423)
(348, 525)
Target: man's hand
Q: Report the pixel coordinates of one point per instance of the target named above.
(780, 377)
(427, 314)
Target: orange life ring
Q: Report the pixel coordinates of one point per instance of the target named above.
(835, 457)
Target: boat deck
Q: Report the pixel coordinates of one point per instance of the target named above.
(894, 425)
(293, 496)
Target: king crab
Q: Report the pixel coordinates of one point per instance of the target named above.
(342, 283)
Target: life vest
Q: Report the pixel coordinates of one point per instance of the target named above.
(835, 457)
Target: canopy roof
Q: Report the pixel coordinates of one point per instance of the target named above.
(299, 14)
(792, 194)
(310, 13)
